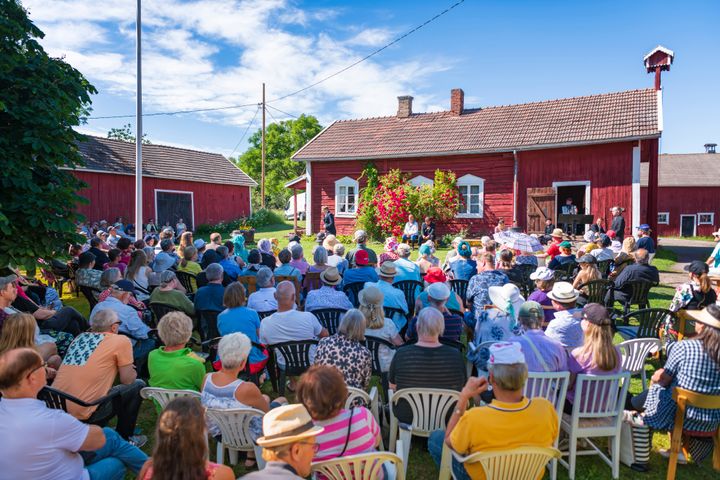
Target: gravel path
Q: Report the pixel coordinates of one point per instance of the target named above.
(687, 251)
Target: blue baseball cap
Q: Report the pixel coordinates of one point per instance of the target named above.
(644, 227)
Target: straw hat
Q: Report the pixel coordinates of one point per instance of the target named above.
(509, 293)
(563, 292)
(330, 276)
(557, 233)
(704, 316)
(287, 424)
(387, 269)
(330, 242)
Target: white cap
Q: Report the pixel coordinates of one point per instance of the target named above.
(506, 353)
(438, 291)
(542, 273)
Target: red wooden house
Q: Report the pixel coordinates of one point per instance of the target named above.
(688, 193)
(199, 187)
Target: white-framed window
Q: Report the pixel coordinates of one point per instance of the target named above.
(472, 194)
(706, 218)
(663, 218)
(420, 180)
(346, 193)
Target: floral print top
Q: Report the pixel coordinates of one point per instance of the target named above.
(350, 357)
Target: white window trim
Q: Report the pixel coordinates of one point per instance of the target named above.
(712, 218)
(346, 182)
(470, 180)
(667, 218)
(421, 180)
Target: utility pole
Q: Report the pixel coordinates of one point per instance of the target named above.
(138, 129)
(262, 161)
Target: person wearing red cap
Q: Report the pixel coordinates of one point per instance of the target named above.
(436, 275)
(362, 271)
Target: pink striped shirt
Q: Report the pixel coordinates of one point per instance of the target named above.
(363, 434)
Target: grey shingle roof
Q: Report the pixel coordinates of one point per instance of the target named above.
(160, 161)
(685, 170)
(595, 118)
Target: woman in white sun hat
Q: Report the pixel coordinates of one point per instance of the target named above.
(713, 260)
(498, 323)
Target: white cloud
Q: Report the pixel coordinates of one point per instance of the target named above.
(212, 53)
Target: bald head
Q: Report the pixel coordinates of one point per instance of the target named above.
(642, 256)
(15, 366)
(285, 295)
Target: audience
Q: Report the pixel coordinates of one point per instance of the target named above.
(603, 252)
(43, 443)
(253, 265)
(360, 241)
(393, 297)
(542, 353)
(229, 264)
(640, 271)
(285, 269)
(89, 369)
(114, 256)
(216, 241)
(19, 331)
(288, 445)
(436, 275)
(464, 267)
(544, 279)
(698, 292)
(587, 273)
(263, 299)
(323, 392)
(189, 264)
(137, 272)
(371, 301)
(181, 428)
(625, 257)
(478, 290)
(362, 271)
(565, 326)
(99, 255)
(510, 421)
(297, 259)
(210, 296)
(406, 270)
(564, 258)
(438, 294)
(167, 258)
(174, 365)
(169, 293)
(86, 275)
(267, 257)
(426, 363)
(109, 277)
(238, 318)
(346, 352)
(327, 296)
(389, 251)
(426, 260)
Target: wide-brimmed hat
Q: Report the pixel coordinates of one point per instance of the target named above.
(542, 273)
(563, 292)
(704, 316)
(716, 234)
(557, 233)
(330, 276)
(387, 269)
(287, 424)
(503, 297)
(434, 275)
(330, 242)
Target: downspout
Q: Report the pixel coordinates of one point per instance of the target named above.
(515, 187)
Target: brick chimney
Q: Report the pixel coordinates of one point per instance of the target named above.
(457, 101)
(404, 106)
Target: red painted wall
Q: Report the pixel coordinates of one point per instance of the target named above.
(111, 196)
(608, 167)
(685, 201)
(496, 169)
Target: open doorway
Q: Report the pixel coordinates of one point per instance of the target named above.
(575, 195)
(687, 225)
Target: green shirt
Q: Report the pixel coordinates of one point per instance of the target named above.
(174, 298)
(179, 369)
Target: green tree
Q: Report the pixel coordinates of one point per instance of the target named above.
(283, 139)
(125, 133)
(41, 99)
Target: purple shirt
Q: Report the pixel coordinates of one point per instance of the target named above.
(586, 366)
(551, 351)
(541, 297)
(300, 264)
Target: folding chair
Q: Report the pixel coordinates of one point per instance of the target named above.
(187, 280)
(57, 399)
(460, 287)
(649, 322)
(368, 400)
(159, 310)
(596, 290)
(374, 344)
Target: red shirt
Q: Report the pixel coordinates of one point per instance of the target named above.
(553, 250)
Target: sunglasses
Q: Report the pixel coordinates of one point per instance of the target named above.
(315, 446)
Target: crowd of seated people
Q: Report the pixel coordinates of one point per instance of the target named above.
(122, 347)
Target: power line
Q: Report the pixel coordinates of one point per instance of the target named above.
(177, 112)
(245, 132)
(371, 54)
(271, 115)
(285, 113)
(324, 79)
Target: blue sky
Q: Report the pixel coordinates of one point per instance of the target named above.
(211, 53)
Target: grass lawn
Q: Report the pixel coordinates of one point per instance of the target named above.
(420, 465)
(664, 259)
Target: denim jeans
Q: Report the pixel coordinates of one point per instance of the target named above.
(435, 446)
(128, 408)
(142, 349)
(111, 461)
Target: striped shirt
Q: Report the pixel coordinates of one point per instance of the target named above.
(363, 434)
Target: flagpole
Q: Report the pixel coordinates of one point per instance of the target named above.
(138, 128)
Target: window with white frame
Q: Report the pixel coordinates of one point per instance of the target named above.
(420, 180)
(664, 218)
(346, 192)
(472, 193)
(706, 218)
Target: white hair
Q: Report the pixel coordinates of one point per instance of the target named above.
(103, 320)
(296, 251)
(320, 256)
(234, 350)
(430, 322)
(265, 277)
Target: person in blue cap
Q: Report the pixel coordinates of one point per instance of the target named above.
(645, 240)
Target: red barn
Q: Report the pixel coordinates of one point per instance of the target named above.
(199, 187)
(515, 162)
(688, 193)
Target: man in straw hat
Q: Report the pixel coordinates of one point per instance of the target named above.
(288, 444)
(509, 421)
(326, 296)
(394, 297)
(361, 239)
(565, 327)
(556, 238)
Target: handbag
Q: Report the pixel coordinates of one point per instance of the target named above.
(636, 441)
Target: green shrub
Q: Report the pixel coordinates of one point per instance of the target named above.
(259, 218)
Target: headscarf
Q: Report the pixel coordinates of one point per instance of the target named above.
(425, 250)
(238, 248)
(265, 246)
(464, 249)
(391, 244)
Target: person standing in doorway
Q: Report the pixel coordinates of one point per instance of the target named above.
(329, 221)
(618, 222)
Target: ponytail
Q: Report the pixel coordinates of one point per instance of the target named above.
(704, 282)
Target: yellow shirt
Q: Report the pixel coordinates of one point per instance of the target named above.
(504, 426)
(193, 268)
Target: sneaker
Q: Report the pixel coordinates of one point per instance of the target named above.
(137, 440)
(665, 452)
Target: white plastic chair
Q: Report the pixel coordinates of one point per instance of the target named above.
(635, 352)
(163, 396)
(430, 408)
(597, 412)
(524, 463)
(364, 466)
(551, 386)
(369, 399)
(234, 426)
